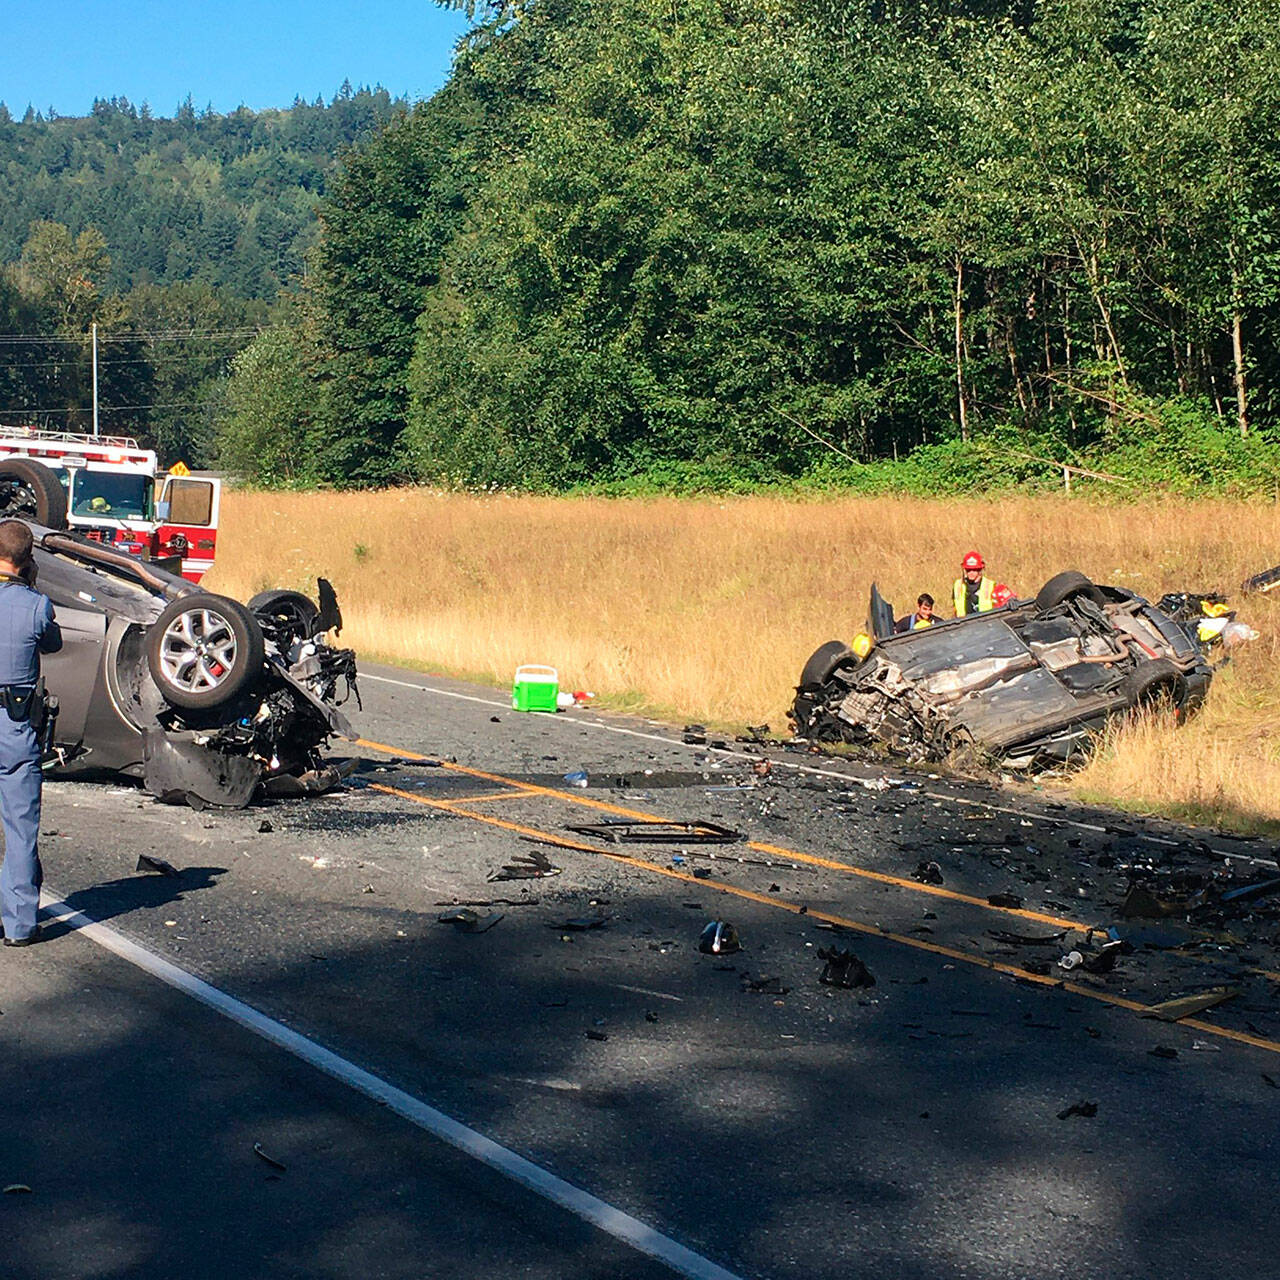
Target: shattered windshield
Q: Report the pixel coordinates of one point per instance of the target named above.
(112, 495)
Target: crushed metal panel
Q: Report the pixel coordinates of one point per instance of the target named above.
(919, 653)
(177, 768)
(1002, 713)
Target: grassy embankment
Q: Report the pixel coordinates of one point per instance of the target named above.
(707, 609)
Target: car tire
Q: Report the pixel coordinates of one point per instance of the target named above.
(288, 608)
(1065, 586)
(204, 650)
(30, 491)
(1148, 683)
(820, 667)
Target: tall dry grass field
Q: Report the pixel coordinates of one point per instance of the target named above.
(707, 609)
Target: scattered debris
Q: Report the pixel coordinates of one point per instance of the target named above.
(843, 969)
(266, 1159)
(765, 984)
(526, 866)
(658, 832)
(1026, 939)
(148, 862)
(1081, 1108)
(719, 938)
(927, 872)
(1011, 901)
(1186, 1006)
(468, 920)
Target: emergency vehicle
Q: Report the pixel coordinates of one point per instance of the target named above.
(110, 484)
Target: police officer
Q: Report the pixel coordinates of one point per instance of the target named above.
(27, 629)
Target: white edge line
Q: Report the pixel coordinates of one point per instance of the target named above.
(807, 768)
(599, 1213)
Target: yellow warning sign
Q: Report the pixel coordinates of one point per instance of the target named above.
(179, 469)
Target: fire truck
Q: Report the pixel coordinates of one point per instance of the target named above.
(113, 493)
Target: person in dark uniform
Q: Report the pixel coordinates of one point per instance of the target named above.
(27, 629)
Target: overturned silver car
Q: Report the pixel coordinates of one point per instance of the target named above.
(203, 698)
(1028, 684)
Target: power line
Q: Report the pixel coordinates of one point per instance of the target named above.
(108, 408)
(158, 335)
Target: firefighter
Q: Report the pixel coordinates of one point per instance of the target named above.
(27, 629)
(923, 616)
(973, 592)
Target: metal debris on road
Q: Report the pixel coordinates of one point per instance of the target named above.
(1026, 939)
(17, 1188)
(1009, 900)
(468, 920)
(1185, 1006)
(147, 862)
(843, 969)
(1081, 1108)
(698, 831)
(266, 1159)
(526, 866)
(579, 924)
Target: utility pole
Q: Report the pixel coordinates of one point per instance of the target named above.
(95, 378)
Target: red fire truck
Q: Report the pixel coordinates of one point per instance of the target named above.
(110, 488)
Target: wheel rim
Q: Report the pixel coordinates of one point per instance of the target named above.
(198, 650)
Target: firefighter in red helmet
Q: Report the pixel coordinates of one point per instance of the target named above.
(973, 592)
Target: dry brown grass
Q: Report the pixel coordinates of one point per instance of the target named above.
(707, 609)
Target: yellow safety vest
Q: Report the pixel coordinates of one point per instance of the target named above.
(986, 596)
(919, 624)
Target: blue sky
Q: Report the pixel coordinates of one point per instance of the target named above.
(64, 54)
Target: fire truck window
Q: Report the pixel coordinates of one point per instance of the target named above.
(111, 495)
(190, 502)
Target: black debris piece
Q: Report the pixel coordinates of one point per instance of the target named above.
(682, 833)
(1269, 1081)
(1105, 960)
(146, 862)
(927, 872)
(758, 732)
(597, 1035)
(842, 968)
(719, 938)
(580, 924)
(266, 1159)
(468, 920)
(265, 827)
(1163, 1051)
(650, 1016)
(702, 873)
(526, 866)
(1039, 967)
(1081, 1108)
(1026, 939)
(1140, 903)
(1009, 900)
(765, 985)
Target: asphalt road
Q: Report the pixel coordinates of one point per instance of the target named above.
(753, 1119)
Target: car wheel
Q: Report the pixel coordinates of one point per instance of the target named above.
(820, 667)
(286, 610)
(1063, 587)
(1154, 681)
(30, 491)
(203, 650)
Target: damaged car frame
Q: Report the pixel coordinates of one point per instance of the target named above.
(201, 697)
(1029, 684)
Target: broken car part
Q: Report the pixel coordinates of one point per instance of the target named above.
(841, 968)
(719, 938)
(627, 832)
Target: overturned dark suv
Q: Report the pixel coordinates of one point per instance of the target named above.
(203, 698)
(1028, 684)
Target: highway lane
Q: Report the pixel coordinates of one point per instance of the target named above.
(797, 1130)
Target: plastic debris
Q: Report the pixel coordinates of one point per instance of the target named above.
(1026, 939)
(1011, 901)
(843, 969)
(17, 1189)
(526, 866)
(719, 938)
(468, 920)
(146, 862)
(578, 778)
(1186, 1006)
(1082, 1108)
(266, 1159)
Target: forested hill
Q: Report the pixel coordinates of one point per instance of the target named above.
(224, 200)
